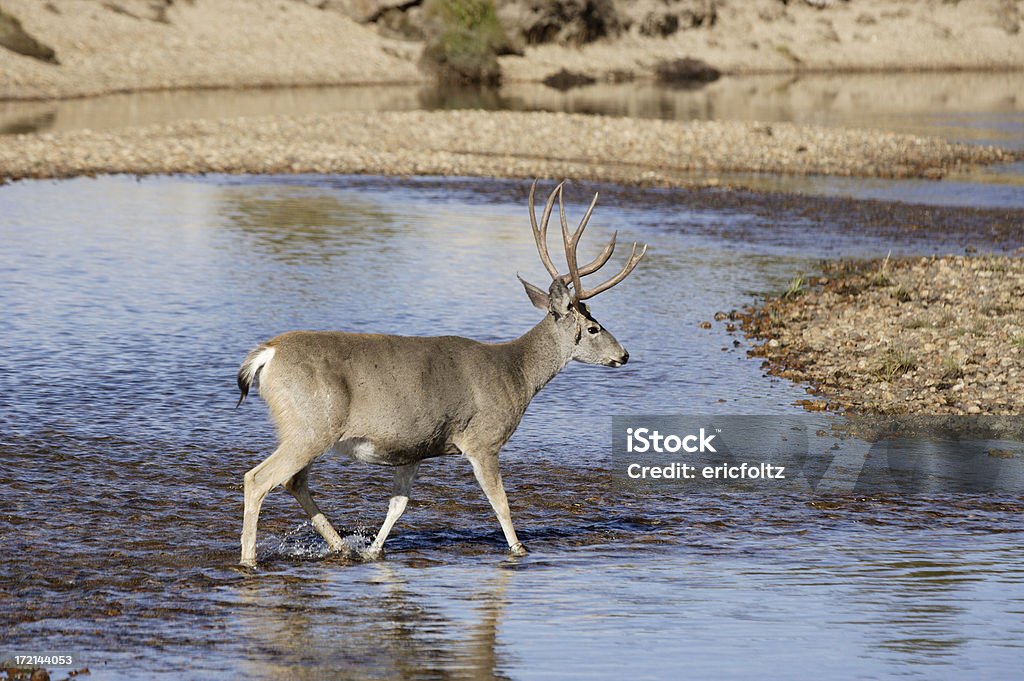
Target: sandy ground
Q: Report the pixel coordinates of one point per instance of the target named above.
(488, 144)
(208, 43)
(762, 36)
(914, 336)
(107, 47)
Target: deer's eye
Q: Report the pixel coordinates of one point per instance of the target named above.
(594, 329)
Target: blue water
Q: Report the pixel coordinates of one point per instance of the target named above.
(127, 306)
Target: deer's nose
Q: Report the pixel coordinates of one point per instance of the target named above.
(625, 357)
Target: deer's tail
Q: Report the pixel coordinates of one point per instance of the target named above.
(257, 358)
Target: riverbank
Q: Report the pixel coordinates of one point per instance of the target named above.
(78, 48)
(109, 47)
(489, 144)
(802, 36)
(939, 335)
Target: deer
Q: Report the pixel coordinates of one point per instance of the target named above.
(396, 401)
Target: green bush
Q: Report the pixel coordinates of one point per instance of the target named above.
(465, 41)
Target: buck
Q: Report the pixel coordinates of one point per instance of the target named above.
(397, 400)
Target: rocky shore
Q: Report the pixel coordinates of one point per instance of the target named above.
(488, 144)
(76, 48)
(937, 335)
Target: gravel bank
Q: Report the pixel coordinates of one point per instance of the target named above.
(939, 335)
(488, 144)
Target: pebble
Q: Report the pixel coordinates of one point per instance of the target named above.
(911, 357)
(505, 144)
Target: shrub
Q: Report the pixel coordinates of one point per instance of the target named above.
(797, 286)
(465, 41)
(895, 362)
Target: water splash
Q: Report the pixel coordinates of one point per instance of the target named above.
(304, 543)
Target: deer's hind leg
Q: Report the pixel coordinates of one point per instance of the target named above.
(298, 485)
(404, 476)
(279, 468)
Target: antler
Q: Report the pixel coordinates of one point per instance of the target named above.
(571, 241)
(540, 236)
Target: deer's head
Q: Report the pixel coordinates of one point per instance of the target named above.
(591, 343)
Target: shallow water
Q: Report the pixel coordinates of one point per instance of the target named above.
(976, 108)
(127, 306)
(982, 108)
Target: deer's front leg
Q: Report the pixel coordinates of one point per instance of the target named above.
(485, 468)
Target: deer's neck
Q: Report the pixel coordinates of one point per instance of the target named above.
(539, 355)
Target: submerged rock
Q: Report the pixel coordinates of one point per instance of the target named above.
(686, 72)
(567, 80)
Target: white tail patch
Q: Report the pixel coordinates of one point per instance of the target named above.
(256, 360)
(252, 367)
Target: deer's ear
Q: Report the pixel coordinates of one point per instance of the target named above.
(537, 296)
(559, 299)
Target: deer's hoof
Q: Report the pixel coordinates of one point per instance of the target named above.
(518, 550)
(249, 563)
(372, 553)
